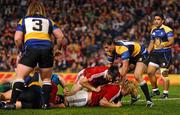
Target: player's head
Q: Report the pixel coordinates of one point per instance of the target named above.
(129, 87)
(158, 19)
(36, 8)
(108, 45)
(113, 73)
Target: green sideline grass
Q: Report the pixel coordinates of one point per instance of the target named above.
(161, 107)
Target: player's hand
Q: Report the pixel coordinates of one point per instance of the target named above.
(66, 91)
(98, 89)
(119, 104)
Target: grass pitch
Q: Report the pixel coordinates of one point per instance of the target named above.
(161, 107)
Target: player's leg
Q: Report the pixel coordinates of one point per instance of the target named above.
(164, 74)
(152, 68)
(18, 84)
(165, 64)
(46, 89)
(139, 70)
(25, 65)
(46, 64)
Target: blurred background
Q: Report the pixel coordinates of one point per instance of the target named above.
(85, 23)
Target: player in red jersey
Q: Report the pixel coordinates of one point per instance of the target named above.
(106, 97)
(92, 78)
(103, 98)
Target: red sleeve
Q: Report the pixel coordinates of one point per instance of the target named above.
(112, 92)
(94, 72)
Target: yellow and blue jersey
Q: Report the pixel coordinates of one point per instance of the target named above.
(125, 50)
(161, 35)
(34, 82)
(37, 31)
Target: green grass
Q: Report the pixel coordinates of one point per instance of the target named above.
(161, 107)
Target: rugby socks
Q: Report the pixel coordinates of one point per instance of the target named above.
(46, 90)
(18, 87)
(145, 90)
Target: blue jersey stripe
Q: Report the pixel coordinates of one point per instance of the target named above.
(38, 43)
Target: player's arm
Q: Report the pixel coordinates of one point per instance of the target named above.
(75, 89)
(19, 35)
(109, 60)
(170, 36)
(57, 105)
(151, 46)
(125, 63)
(124, 68)
(85, 83)
(63, 84)
(57, 33)
(105, 103)
(18, 38)
(170, 41)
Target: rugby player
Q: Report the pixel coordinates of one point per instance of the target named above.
(162, 38)
(33, 39)
(129, 53)
(108, 96)
(93, 77)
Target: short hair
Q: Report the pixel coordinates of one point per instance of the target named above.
(108, 41)
(114, 72)
(160, 15)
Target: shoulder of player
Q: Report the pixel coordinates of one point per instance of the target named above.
(166, 28)
(121, 49)
(153, 28)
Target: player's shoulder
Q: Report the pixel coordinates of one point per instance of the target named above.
(153, 28)
(166, 28)
(121, 49)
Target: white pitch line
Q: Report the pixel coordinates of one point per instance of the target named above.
(168, 99)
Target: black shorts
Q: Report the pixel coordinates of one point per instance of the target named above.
(33, 56)
(31, 97)
(139, 58)
(162, 59)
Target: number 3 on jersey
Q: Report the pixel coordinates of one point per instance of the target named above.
(38, 24)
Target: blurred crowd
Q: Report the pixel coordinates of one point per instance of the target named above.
(85, 23)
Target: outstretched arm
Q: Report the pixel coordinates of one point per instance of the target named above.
(84, 82)
(105, 103)
(63, 84)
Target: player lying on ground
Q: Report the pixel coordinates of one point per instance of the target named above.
(92, 78)
(30, 96)
(108, 96)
